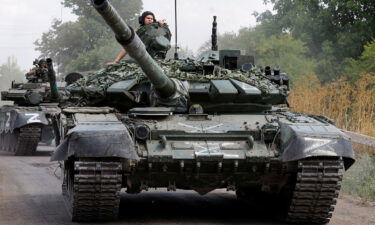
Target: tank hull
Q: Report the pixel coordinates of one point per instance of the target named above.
(204, 153)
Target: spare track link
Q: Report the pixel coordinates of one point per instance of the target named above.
(96, 191)
(317, 188)
(27, 143)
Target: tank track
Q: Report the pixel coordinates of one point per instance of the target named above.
(93, 193)
(28, 140)
(318, 183)
(22, 142)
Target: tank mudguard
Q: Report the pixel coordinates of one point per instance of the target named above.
(300, 141)
(13, 119)
(96, 140)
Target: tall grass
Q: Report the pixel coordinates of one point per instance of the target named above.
(350, 105)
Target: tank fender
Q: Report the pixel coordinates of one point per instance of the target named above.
(13, 119)
(96, 140)
(300, 141)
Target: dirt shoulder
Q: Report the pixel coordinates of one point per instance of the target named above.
(352, 211)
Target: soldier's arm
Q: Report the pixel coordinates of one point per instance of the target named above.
(120, 56)
(32, 71)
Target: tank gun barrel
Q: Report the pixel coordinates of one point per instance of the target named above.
(130, 41)
(52, 80)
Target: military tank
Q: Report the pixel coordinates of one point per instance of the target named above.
(196, 125)
(27, 122)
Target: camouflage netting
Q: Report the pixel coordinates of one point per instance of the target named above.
(172, 68)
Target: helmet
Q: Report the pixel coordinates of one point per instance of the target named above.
(42, 61)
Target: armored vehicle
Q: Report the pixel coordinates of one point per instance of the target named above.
(27, 122)
(197, 125)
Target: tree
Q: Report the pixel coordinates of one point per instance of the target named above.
(365, 64)
(288, 53)
(10, 71)
(332, 29)
(87, 43)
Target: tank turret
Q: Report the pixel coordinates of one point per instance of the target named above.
(34, 93)
(130, 41)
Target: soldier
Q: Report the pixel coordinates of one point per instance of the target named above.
(147, 17)
(39, 72)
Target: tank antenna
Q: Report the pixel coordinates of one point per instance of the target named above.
(175, 25)
(214, 35)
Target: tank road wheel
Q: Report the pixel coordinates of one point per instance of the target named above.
(91, 189)
(317, 186)
(27, 140)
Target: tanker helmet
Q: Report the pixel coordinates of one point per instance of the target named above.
(42, 61)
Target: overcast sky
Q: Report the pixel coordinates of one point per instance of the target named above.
(23, 21)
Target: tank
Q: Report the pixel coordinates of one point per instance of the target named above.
(215, 122)
(29, 120)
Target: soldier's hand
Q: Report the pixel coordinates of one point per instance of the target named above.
(109, 63)
(161, 23)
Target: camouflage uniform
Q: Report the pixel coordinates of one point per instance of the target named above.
(38, 73)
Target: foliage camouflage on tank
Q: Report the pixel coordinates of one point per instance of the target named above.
(123, 71)
(197, 125)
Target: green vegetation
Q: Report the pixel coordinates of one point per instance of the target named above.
(364, 64)
(333, 30)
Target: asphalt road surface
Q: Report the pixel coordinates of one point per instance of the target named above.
(30, 193)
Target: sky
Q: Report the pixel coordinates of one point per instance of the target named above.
(22, 22)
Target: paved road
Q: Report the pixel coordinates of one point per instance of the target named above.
(30, 194)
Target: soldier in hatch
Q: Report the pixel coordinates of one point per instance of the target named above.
(147, 18)
(38, 73)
